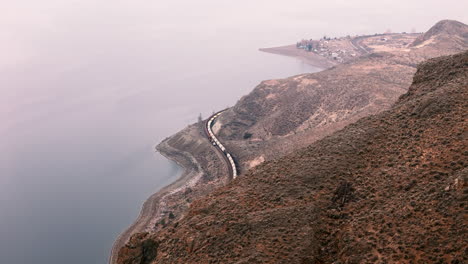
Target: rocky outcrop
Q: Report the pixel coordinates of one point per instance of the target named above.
(390, 188)
(140, 249)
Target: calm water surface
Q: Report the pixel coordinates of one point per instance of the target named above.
(88, 88)
(85, 94)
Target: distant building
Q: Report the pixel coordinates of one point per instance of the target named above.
(307, 45)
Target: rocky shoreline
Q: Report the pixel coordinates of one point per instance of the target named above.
(154, 206)
(169, 204)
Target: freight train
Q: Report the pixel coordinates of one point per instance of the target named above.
(214, 140)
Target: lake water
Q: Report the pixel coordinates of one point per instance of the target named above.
(88, 88)
(86, 92)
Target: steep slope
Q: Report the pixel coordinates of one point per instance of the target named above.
(390, 188)
(279, 116)
(445, 29)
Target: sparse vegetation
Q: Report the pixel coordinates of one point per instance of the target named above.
(337, 200)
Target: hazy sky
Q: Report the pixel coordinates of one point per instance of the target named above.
(24, 24)
(47, 34)
(39, 36)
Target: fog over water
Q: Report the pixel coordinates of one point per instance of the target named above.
(88, 88)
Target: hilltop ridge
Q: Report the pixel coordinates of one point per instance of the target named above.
(450, 28)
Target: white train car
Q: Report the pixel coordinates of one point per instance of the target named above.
(216, 142)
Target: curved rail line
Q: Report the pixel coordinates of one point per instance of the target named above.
(228, 158)
(219, 146)
(356, 43)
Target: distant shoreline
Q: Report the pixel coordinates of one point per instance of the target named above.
(307, 57)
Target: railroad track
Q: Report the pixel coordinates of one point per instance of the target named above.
(228, 158)
(356, 42)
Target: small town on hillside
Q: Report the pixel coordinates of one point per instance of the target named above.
(323, 48)
(342, 49)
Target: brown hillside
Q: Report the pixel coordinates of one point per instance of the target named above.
(390, 188)
(280, 116)
(445, 28)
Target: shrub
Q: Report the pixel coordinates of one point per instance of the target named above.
(247, 135)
